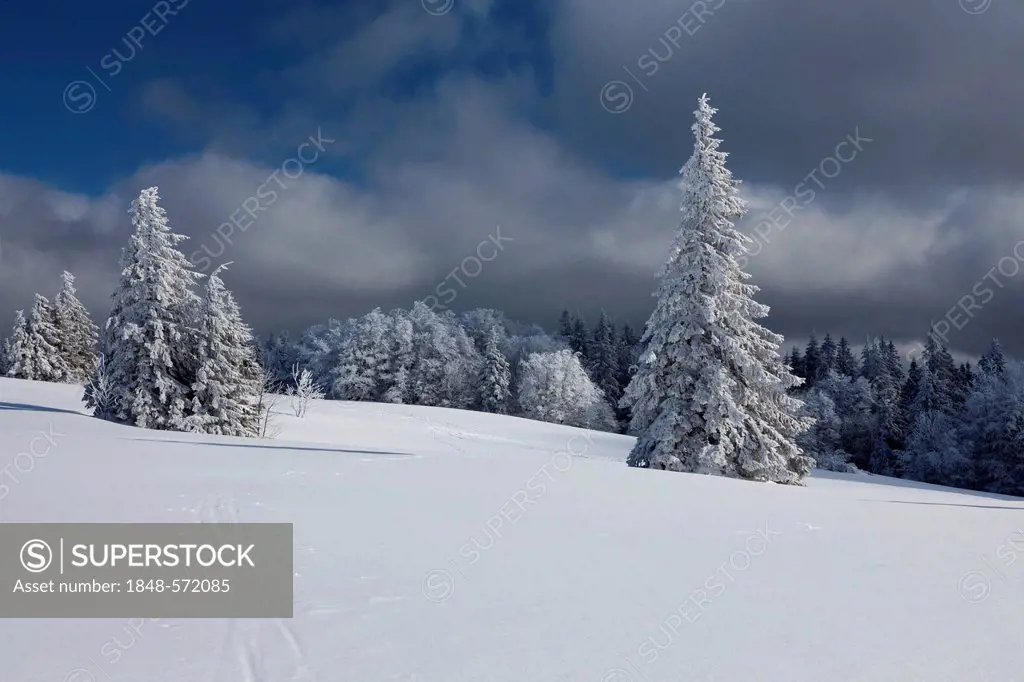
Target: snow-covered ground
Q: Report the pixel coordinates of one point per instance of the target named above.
(438, 545)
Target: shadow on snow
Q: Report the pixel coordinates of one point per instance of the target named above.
(274, 447)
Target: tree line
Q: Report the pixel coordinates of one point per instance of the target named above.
(705, 388)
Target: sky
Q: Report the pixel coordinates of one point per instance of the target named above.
(524, 154)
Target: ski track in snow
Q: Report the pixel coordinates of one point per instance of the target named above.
(246, 640)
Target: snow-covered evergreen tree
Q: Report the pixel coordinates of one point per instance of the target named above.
(813, 370)
(17, 355)
(43, 339)
(76, 333)
(882, 369)
(565, 325)
(824, 441)
(579, 340)
(827, 357)
(363, 370)
(994, 429)
(965, 379)
(888, 425)
(846, 361)
(629, 349)
(278, 354)
(225, 393)
(935, 453)
(495, 376)
(521, 346)
(480, 322)
(711, 395)
(460, 380)
(872, 364)
(403, 358)
(149, 340)
(604, 359)
(319, 350)
(447, 362)
(853, 401)
(908, 393)
(993, 362)
(797, 365)
(554, 387)
(943, 391)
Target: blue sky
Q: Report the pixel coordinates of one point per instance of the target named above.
(50, 44)
(449, 118)
(230, 48)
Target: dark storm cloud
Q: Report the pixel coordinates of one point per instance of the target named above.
(928, 80)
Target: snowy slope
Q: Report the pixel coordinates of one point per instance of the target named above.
(594, 574)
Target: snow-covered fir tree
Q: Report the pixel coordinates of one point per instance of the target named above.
(872, 365)
(319, 350)
(277, 355)
(226, 387)
(813, 370)
(76, 333)
(43, 339)
(403, 357)
(710, 396)
(604, 359)
(853, 403)
(993, 362)
(446, 363)
(942, 393)
(827, 356)
(565, 325)
(908, 393)
(363, 370)
(149, 340)
(495, 376)
(846, 361)
(629, 349)
(795, 360)
(824, 440)
(17, 355)
(554, 387)
(578, 338)
(889, 423)
(935, 453)
(480, 322)
(993, 428)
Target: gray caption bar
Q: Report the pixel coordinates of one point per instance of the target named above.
(146, 570)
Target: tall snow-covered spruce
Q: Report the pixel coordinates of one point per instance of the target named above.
(710, 395)
(149, 342)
